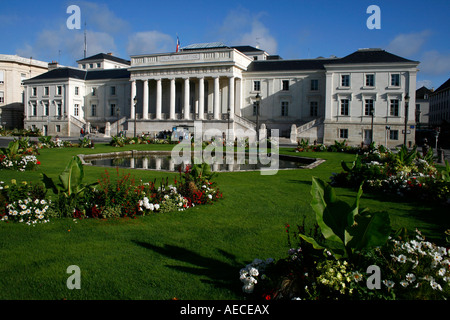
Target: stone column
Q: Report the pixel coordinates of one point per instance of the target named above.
(201, 98)
(158, 98)
(172, 99)
(186, 99)
(133, 94)
(231, 97)
(145, 101)
(216, 99)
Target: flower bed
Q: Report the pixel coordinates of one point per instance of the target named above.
(405, 173)
(19, 155)
(108, 198)
(379, 264)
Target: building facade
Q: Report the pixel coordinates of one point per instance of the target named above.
(423, 107)
(65, 100)
(359, 98)
(13, 71)
(440, 105)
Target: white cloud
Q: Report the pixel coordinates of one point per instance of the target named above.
(406, 45)
(240, 27)
(100, 17)
(150, 42)
(435, 63)
(48, 43)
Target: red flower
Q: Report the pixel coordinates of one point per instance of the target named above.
(38, 162)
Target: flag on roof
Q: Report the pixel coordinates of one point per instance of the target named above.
(178, 44)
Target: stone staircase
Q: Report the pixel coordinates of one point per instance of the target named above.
(311, 131)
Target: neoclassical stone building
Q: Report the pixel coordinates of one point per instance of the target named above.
(13, 71)
(241, 87)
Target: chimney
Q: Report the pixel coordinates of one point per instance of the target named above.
(53, 65)
(109, 53)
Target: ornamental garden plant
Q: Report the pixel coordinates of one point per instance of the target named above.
(405, 173)
(19, 155)
(124, 196)
(335, 260)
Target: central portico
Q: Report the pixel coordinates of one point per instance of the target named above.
(201, 82)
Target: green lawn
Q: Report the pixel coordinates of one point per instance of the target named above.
(195, 254)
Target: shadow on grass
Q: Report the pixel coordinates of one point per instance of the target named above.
(216, 272)
(426, 215)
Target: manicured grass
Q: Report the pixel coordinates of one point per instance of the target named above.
(195, 254)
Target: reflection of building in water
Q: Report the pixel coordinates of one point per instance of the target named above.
(166, 163)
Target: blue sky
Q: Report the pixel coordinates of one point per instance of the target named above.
(297, 29)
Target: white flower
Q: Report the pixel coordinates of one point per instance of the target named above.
(156, 206)
(435, 285)
(254, 272)
(388, 283)
(410, 277)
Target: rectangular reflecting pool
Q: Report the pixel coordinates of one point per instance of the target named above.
(163, 162)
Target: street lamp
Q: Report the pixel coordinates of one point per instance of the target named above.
(257, 100)
(386, 135)
(406, 118)
(135, 103)
(118, 113)
(371, 126)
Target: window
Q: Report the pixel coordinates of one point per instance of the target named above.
(113, 91)
(343, 133)
(94, 110)
(345, 80)
(113, 109)
(368, 106)
(33, 109)
(34, 91)
(58, 109)
(84, 66)
(91, 65)
(344, 107)
(314, 85)
(395, 80)
(313, 108)
(285, 85)
(46, 91)
(393, 134)
(370, 80)
(94, 91)
(77, 91)
(46, 113)
(394, 108)
(284, 108)
(2, 97)
(59, 90)
(76, 110)
(2, 76)
(99, 65)
(255, 108)
(58, 128)
(257, 85)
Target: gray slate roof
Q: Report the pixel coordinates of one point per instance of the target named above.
(66, 73)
